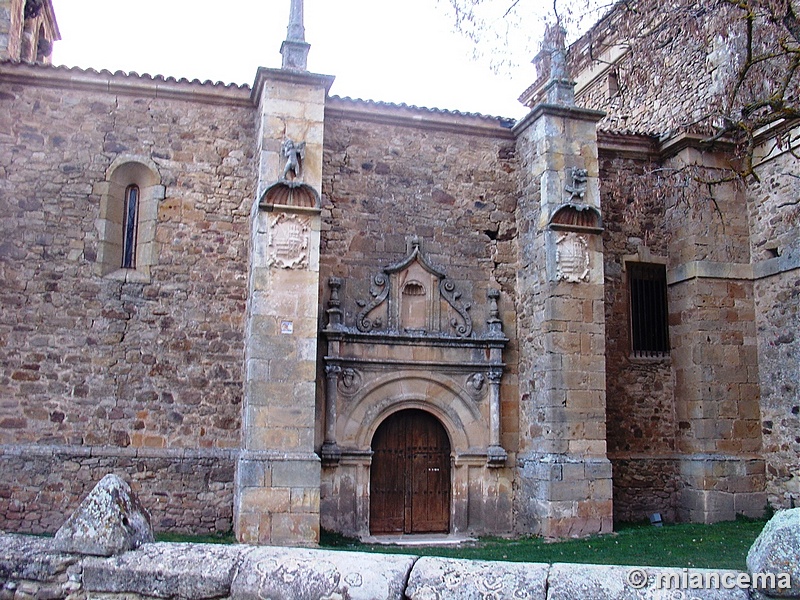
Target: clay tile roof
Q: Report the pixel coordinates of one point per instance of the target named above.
(506, 122)
(125, 74)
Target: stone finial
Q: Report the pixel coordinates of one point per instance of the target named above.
(295, 49)
(560, 89)
(493, 322)
(110, 520)
(334, 309)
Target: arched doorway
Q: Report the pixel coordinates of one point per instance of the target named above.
(410, 475)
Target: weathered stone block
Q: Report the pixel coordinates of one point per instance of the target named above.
(750, 504)
(252, 473)
(296, 529)
(467, 579)
(32, 558)
(166, 570)
(567, 582)
(297, 574)
(265, 500)
(296, 474)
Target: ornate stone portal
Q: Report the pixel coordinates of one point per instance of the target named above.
(413, 346)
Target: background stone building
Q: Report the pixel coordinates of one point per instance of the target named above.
(410, 320)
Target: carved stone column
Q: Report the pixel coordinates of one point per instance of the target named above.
(330, 450)
(496, 454)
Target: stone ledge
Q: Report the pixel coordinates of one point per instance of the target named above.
(240, 572)
(26, 557)
(706, 269)
(116, 452)
(166, 570)
(305, 574)
(569, 581)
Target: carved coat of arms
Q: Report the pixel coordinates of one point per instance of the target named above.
(288, 244)
(572, 258)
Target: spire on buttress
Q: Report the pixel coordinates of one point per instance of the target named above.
(295, 49)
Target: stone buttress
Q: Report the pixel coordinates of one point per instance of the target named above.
(564, 485)
(278, 475)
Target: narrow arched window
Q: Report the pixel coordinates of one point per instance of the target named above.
(129, 227)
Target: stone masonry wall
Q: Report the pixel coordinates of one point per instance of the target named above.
(659, 90)
(89, 361)
(640, 411)
(386, 179)
(774, 210)
(392, 173)
(187, 491)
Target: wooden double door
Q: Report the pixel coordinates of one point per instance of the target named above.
(410, 475)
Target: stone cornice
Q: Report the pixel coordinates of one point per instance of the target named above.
(380, 364)
(627, 145)
(673, 145)
(557, 110)
(706, 269)
(411, 116)
(399, 339)
(130, 84)
(288, 76)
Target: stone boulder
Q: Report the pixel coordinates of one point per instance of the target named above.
(109, 521)
(777, 551)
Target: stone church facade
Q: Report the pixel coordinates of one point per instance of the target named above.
(276, 310)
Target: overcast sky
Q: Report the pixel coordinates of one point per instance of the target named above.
(377, 49)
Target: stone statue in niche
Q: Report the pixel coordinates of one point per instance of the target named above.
(578, 181)
(288, 244)
(294, 154)
(572, 258)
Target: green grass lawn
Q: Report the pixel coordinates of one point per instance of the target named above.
(718, 546)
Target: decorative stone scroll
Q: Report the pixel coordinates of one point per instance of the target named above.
(288, 241)
(572, 258)
(411, 292)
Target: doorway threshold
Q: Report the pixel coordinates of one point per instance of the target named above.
(418, 539)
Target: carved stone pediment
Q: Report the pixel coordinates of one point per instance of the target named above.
(412, 297)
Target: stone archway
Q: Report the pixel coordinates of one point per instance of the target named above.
(410, 484)
(413, 346)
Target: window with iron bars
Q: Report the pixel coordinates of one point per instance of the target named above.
(647, 289)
